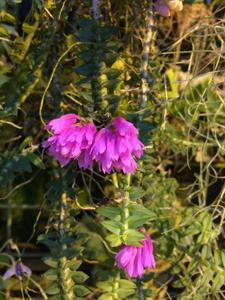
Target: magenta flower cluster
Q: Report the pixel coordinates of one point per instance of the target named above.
(135, 259)
(113, 147)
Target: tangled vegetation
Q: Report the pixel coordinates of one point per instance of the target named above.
(100, 60)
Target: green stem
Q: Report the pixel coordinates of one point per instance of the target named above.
(98, 92)
(125, 210)
(128, 180)
(139, 289)
(51, 78)
(115, 180)
(45, 297)
(116, 287)
(66, 282)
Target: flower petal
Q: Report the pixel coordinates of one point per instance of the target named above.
(10, 272)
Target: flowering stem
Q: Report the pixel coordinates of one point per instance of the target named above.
(139, 289)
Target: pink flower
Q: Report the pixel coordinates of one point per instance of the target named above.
(70, 140)
(58, 125)
(135, 259)
(164, 7)
(17, 269)
(116, 145)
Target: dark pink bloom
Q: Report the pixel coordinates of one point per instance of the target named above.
(135, 259)
(116, 146)
(162, 8)
(70, 140)
(17, 269)
(56, 126)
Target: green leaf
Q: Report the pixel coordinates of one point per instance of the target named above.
(87, 96)
(26, 142)
(136, 193)
(53, 289)
(105, 286)
(113, 73)
(35, 160)
(56, 297)
(5, 260)
(133, 237)
(49, 243)
(193, 229)
(178, 284)
(70, 253)
(123, 293)
(107, 296)
(79, 277)
(21, 163)
(51, 262)
(222, 255)
(115, 240)
(73, 264)
(127, 284)
(206, 277)
(206, 252)
(85, 70)
(194, 264)
(80, 290)
(218, 282)
(3, 78)
(173, 83)
(113, 226)
(141, 211)
(51, 274)
(217, 257)
(109, 212)
(137, 221)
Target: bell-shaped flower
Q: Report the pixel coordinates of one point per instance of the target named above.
(116, 146)
(71, 139)
(17, 269)
(134, 260)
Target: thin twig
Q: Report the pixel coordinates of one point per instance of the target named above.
(145, 57)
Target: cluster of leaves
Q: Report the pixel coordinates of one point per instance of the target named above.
(63, 275)
(99, 66)
(18, 161)
(116, 288)
(124, 221)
